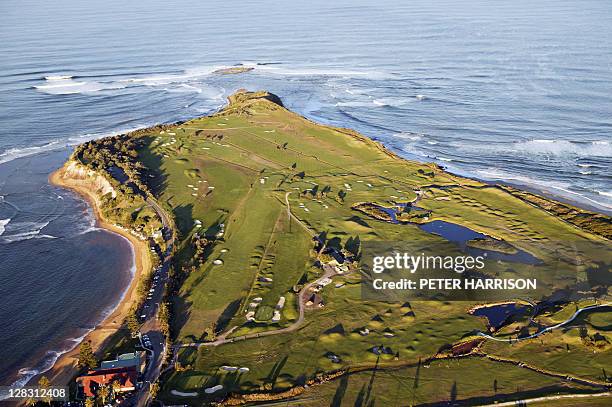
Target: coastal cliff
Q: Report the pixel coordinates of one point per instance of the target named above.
(74, 172)
(92, 187)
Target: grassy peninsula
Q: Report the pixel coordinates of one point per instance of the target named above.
(263, 202)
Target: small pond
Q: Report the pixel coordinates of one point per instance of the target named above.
(498, 315)
(461, 235)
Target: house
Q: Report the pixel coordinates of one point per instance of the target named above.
(126, 360)
(90, 383)
(336, 255)
(315, 300)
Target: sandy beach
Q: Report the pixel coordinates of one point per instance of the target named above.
(65, 367)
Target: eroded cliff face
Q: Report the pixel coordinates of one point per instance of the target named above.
(100, 185)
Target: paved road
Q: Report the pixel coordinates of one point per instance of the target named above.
(303, 298)
(150, 328)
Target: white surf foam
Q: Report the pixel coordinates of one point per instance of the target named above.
(46, 363)
(408, 136)
(57, 77)
(324, 72)
(599, 148)
(15, 153)
(605, 193)
(3, 223)
(494, 174)
(20, 231)
(167, 79)
(66, 85)
(391, 101)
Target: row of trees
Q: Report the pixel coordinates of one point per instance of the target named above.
(110, 156)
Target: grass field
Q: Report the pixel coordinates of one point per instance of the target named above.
(234, 177)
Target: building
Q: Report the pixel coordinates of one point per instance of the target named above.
(90, 383)
(126, 360)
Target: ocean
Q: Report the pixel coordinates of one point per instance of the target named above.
(517, 92)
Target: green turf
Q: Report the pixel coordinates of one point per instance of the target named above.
(256, 155)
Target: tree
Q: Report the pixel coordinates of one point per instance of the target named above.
(116, 387)
(86, 356)
(132, 323)
(164, 318)
(44, 383)
(103, 393)
(154, 390)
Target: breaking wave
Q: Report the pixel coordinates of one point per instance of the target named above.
(3, 223)
(322, 72)
(57, 77)
(46, 363)
(24, 231)
(605, 193)
(408, 136)
(15, 153)
(66, 85)
(494, 174)
(599, 148)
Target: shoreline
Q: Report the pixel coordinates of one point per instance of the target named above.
(564, 196)
(64, 368)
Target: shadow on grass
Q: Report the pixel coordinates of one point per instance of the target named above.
(155, 178)
(275, 372)
(340, 392)
(227, 315)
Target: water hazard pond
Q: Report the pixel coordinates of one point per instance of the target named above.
(498, 315)
(463, 236)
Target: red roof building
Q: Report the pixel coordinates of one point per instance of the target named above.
(91, 382)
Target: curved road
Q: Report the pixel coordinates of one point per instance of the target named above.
(303, 298)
